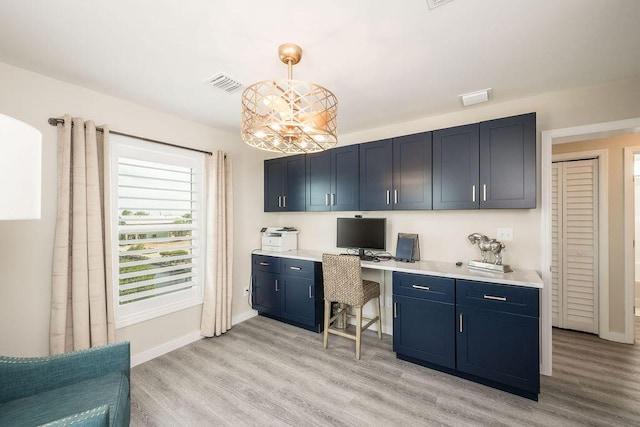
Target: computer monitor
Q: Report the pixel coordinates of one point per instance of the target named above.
(361, 234)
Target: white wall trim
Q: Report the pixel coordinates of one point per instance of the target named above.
(164, 348)
(586, 132)
(603, 233)
(192, 337)
(629, 236)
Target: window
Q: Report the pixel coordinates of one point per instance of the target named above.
(157, 203)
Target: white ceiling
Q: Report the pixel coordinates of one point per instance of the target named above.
(386, 61)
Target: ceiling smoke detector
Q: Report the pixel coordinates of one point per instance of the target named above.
(435, 3)
(224, 82)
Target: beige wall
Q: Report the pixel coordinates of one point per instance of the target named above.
(26, 247)
(615, 148)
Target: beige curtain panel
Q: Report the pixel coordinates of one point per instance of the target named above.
(81, 309)
(216, 310)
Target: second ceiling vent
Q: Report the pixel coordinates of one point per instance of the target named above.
(224, 82)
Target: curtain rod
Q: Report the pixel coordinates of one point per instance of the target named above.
(54, 121)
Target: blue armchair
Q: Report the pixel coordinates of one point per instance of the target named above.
(84, 388)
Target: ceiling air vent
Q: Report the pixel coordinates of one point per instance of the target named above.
(224, 82)
(435, 3)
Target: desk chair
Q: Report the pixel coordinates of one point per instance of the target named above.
(343, 283)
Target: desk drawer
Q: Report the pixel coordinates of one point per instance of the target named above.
(298, 268)
(268, 264)
(431, 288)
(498, 297)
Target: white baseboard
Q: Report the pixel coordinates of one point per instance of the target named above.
(194, 336)
(154, 352)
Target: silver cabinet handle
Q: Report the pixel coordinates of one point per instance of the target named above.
(484, 192)
(326, 199)
(277, 289)
(295, 268)
(310, 296)
(473, 193)
(279, 201)
(495, 298)
(395, 197)
(284, 201)
(264, 263)
(388, 197)
(424, 288)
(333, 199)
(395, 310)
(461, 329)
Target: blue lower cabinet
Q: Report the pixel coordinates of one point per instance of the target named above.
(289, 290)
(484, 332)
(498, 346)
(424, 330)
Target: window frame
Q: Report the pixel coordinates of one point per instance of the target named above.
(139, 149)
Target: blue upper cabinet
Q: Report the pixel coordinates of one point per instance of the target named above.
(284, 184)
(396, 173)
(456, 167)
(332, 180)
(487, 165)
(508, 162)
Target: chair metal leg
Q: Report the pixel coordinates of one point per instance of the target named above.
(358, 330)
(379, 319)
(327, 316)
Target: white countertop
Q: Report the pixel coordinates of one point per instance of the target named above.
(529, 278)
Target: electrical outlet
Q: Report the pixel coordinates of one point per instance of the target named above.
(505, 234)
(389, 301)
(245, 292)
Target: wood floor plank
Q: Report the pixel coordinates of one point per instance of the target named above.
(264, 372)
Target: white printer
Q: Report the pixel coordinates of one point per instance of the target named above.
(279, 239)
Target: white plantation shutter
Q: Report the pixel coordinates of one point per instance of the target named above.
(556, 243)
(158, 204)
(576, 247)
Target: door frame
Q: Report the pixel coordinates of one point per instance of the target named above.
(603, 232)
(548, 138)
(629, 236)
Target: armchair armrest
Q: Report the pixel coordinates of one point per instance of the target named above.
(25, 376)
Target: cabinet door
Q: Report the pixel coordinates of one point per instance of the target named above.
(265, 293)
(298, 300)
(412, 172)
(318, 181)
(498, 346)
(273, 185)
(424, 330)
(508, 162)
(376, 175)
(456, 168)
(294, 183)
(345, 183)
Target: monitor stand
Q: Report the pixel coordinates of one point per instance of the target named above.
(364, 257)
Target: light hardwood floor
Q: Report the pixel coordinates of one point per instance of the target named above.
(263, 372)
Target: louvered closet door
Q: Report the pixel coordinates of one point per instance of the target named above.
(575, 245)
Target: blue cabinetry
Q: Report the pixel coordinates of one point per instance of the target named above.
(332, 180)
(284, 184)
(484, 332)
(288, 290)
(396, 173)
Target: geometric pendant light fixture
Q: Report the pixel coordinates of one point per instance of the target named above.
(289, 116)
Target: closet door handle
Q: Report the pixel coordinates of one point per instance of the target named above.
(473, 193)
(484, 192)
